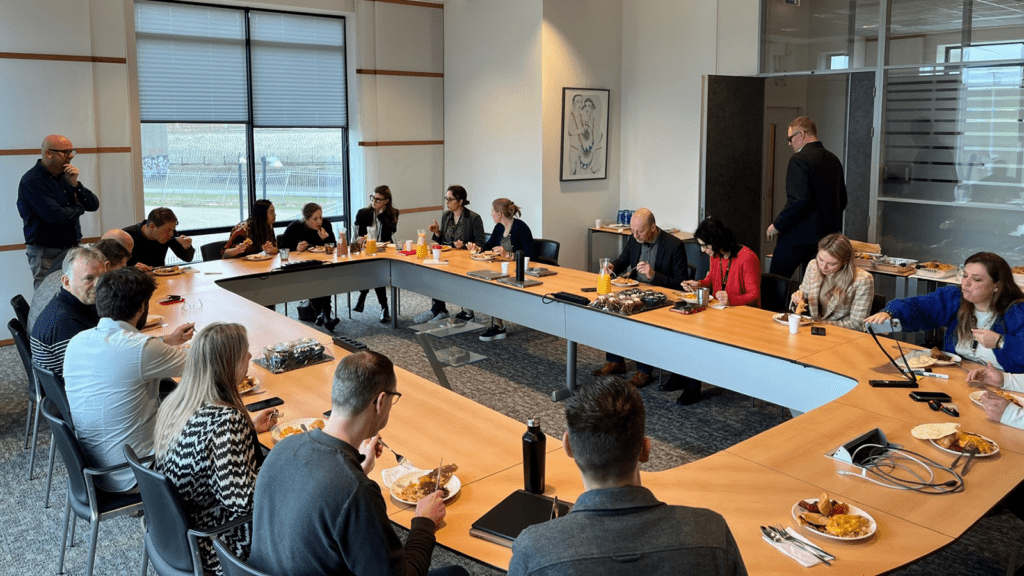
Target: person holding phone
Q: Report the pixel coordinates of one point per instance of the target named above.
(983, 317)
(205, 441)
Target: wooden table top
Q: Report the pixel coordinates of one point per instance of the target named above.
(755, 482)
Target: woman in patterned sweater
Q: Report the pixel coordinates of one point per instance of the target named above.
(205, 442)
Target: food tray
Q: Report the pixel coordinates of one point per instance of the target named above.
(295, 365)
(936, 274)
(901, 266)
(599, 304)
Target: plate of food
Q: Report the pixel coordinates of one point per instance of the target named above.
(944, 358)
(258, 257)
(485, 256)
(1012, 398)
(248, 384)
(292, 427)
(317, 249)
(832, 519)
(917, 359)
(624, 282)
(783, 318)
(414, 486)
(152, 321)
(167, 271)
(692, 297)
(948, 437)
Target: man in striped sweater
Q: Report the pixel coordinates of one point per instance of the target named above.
(71, 311)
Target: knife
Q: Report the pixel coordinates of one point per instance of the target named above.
(971, 453)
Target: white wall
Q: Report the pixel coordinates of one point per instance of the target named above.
(492, 104)
(582, 47)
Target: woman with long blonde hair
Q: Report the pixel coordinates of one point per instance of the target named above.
(205, 442)
(835, 290)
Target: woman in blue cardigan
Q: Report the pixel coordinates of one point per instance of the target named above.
(983, 317)
(510, 235)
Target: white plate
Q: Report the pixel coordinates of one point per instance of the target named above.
(954, 359)
(258, 257)
(317, 250)
(627, 284)
(797, 510)
(255, 385)
(482, 257)
(976, 398)
(152, 321)
(275, 433)
(979, 455)
(782, 318)
(692, 297)
(453, 485)
(165, 271)
(917, 359)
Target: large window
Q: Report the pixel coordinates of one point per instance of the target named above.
(238, 105)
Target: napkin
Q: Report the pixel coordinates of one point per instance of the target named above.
(389, 475)
(432, 262)
(805, 558)
(407, 252)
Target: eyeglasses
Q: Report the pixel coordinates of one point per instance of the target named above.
(701, 244)
(448, 199)
(397, 395)
(376, 200)
(68, 153)
(793, 135)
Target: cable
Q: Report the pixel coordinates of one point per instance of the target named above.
(884, 466)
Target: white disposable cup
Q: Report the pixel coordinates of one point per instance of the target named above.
(526, 263)
(597, 223)
(437, 254)
(794, 323)
(408, 245)
(504, 267)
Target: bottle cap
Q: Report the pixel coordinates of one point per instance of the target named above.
(533, 422)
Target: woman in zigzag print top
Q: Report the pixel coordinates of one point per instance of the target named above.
(205, 442)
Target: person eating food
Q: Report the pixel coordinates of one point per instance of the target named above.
(310, 232)
(834, 290)
(983, 317)
(382, 216)
(255, 234)
(735, 272)
(509, 236)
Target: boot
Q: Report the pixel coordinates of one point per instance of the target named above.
(359, 303)
(320, 319)
(385, 317)
(330, 324)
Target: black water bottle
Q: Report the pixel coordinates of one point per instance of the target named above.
(520, 276)
(534, 451)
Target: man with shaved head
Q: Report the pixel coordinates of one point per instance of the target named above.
(51, 200)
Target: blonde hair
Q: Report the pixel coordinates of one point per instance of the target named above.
(839, 284)
(211, 375)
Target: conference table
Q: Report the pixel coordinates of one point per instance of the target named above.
(753, 483)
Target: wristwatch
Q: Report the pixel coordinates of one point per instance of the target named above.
(1001, 341)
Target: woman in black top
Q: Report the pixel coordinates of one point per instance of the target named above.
(459, 227)
(383, 217)
(310, 232)
(255, 234)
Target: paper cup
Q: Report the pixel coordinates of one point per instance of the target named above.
(597, 223)
(526, 263)
(504, 267)
(794, 323)
(408, 245)
(437, 254)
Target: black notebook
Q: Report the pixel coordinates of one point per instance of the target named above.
(521, 509)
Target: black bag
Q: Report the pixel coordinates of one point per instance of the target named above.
(305, 311)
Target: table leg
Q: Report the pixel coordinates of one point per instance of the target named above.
(432, 358)
(570, 374)
(395, 309)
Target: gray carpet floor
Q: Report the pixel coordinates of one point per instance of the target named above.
(516, 379)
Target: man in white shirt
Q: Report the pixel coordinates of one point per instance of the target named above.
(112, 374)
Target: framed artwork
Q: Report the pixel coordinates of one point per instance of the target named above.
(584, 134)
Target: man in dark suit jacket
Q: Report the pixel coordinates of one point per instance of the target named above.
(815, 200)
(659, 259)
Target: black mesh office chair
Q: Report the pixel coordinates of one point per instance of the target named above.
(32, 390)
(547, 251)
(171, 542)
(230, 563)
(21, 309)
(84, 498)
(52, 386)
(212, 250)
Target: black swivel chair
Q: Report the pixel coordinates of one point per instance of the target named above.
(21, 309)
(230, 563)
(877, 303)
(32, 390)
(84, 498)
(171, 542)
(212, 250)
(775, 291)
(547, 251)
(52, 387)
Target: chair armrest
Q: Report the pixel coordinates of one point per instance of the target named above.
(115, 467)
(215, 530)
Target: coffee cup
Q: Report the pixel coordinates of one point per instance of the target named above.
(703, 296)
(526, 263)
(437, 254)
(408, 245)
(504, 267)
(597, 223)
(794, 323)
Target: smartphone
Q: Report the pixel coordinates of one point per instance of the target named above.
(264, 404)
(171, 299)
(922, 396)
(588, 289)
(818, 330)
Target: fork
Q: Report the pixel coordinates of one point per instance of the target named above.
(772, 533)
(401, 459)
(971, 453)
(781, 531)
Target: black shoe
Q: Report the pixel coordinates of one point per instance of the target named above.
(493, 333)
(465, 316)
(385, 317)
(319, 320)
(359, 303)
(689, 397)
(674, 383)
(330, 324)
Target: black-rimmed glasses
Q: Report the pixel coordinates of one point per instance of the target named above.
(447, 199)
(397, 395)
(376, 200)
(793, 135)
(68, 153)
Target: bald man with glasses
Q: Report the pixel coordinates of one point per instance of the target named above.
(51, 201)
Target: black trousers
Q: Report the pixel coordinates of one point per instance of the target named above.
(786, 259)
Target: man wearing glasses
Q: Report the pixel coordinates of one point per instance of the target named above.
(51, 200)
(815, 200)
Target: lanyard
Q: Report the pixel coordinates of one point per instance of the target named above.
(725, 272)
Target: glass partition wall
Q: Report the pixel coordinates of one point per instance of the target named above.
(949, 177)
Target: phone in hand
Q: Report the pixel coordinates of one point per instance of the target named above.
(264, 404)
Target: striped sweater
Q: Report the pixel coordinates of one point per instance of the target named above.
(213, 463)
(63, 318)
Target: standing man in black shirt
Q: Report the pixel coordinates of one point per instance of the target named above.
(153, 236)
(51, 200)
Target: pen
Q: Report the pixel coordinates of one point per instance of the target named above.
(931, 374)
